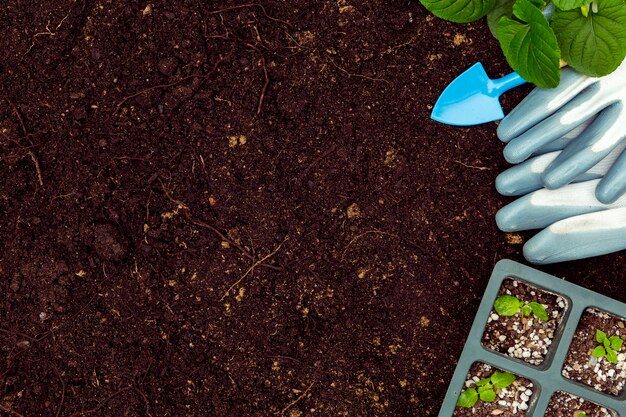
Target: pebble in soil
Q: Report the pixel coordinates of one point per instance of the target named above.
(513, 400)
(599, 373)
(527, 338)
(563, 404)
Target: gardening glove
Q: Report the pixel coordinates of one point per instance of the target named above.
(528, 176)
(576, 225)
(546, 115)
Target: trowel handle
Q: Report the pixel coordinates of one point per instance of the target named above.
(501, 85)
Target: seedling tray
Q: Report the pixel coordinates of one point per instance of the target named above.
(546, 377)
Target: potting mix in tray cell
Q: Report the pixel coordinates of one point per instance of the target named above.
(563, 404)
(597, 355)
(523, 321)
(489, 391)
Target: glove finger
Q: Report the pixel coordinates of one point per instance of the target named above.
(593, 145)
(579, 237)
(581, 108)
(541, 103)
(613, 185)
(544, 207)
(561, 143)
(527, 177)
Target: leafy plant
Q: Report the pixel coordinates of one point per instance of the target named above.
(581, 414)
(608, 348)
(590, 36)
(509, 305)
(486, 389)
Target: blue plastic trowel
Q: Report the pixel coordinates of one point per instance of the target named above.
(472, 98)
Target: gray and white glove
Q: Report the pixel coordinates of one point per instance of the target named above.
(546, 115)
(575, 223)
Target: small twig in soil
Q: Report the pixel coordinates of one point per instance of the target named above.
(243, 6)
(145, 400)
(48, 32)
(10, 412)
(249, 45)
(27, 135)
(36, 162)
(56, 370)
(294, 402)
(10, 333)
(30, 153)
(154, 87)
(172, 84)
(378, 232)
(265, 75)
(257, 263)
(230, 241)
(280, 357)
(182, 206)
(102, 403)
(394, 48)
(148, 207)
(315, 162)
(480, 168)
(349, 74)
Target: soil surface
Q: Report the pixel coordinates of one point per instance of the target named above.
(227, 209)
(581, 366)
(510, 401)
(563, 404)
(527, 338)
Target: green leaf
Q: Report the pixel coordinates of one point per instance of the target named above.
(460, 11)
(526, 310)
(502, 379)
(539, 310)
(485, 388)
(569, 4)
(483, 382)
(488, 396)
(606, 343)
(506, 305)
(530, 46)
(594, 44)
(611, 355)
(599, 352)
(467, 398)
(581, 414)
(502, 8)
(616, 342)
(600, 336)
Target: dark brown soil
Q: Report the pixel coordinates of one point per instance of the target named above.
(581, 366)
(228, 209)
(526, 338)
(563, 404)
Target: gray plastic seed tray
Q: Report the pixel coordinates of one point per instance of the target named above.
(546, 377)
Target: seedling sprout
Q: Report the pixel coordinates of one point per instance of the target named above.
(486, 389)
(608, 348)
(509, 305)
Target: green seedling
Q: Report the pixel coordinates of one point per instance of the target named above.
(608, 348)
(485, 389)
(589, 35)
(509, 305)
(581, 414)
